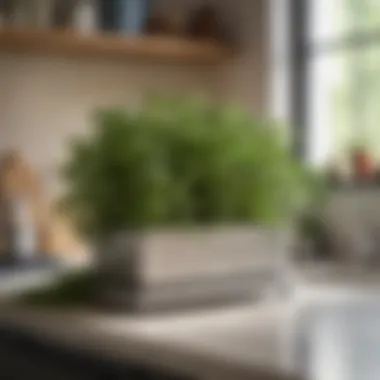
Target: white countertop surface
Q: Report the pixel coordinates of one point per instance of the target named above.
(324, 330)
(241, 342)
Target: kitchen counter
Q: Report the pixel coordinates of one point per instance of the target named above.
(246, 342)
(324, 331)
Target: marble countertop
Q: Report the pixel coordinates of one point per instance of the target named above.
(328, 330)
(241, 342)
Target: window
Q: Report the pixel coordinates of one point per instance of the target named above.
(341, 45)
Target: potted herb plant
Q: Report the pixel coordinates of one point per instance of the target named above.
(187, 202)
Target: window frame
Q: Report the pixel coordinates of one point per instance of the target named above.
(299, 86)
(302, 51)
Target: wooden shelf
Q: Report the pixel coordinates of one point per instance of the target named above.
(109, 46)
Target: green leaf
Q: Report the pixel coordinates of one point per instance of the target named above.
(180, 161)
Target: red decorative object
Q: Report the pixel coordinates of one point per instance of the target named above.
(362, 164)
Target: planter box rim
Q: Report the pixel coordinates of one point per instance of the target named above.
(203, 229)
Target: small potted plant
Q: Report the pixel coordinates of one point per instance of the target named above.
(187, 202)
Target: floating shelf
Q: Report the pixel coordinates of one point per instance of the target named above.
(110, 46)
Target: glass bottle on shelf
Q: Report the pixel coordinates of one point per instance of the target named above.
(132, 16)
(85, 16)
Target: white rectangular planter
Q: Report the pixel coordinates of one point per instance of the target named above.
(162, 269)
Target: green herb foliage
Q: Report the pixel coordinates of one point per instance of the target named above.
(179, 162)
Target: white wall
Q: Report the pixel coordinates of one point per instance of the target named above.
(244, 80)
(44, 100)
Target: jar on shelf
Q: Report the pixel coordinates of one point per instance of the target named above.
(63, 12)
(204, 23)
(124, 16)
(85, 16)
